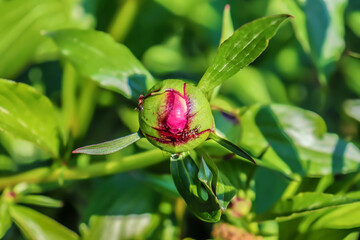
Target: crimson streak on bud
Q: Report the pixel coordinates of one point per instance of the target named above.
(175, 116)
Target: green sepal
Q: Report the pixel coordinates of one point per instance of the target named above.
(206, 191)
(109, 146)
(232, 147)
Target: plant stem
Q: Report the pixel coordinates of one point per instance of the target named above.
(292, 188)
(123, 20)
(87, 104)
(49, 174)
(68, 98)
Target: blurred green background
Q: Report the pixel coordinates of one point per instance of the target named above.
(311, 63)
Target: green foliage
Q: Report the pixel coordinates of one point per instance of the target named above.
(320, 29)
(100, 58)
(35, 225)
(21, 24)
(239, 50)
(27, 114)
(75, 84)
(109, 146)
(206, 192)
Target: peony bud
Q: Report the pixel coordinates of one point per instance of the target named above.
(175, 116)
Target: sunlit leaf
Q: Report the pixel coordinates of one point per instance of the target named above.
(97, 56)
(26, 114)
(5, 219)
(35, 225)
(134, 226)
(303, 203)
(242, 48)
(110, 146)
(20, 27)
(344, 217)
(352, 108)
(39, 200)
(298, 141)
(21, 151)
(127, 211)
(320, 29)
(264, 87)
(291, 229)
(200, 12)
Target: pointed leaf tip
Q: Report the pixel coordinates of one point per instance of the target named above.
(232, 147)
(240, 49)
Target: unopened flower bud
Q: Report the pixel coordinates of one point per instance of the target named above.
(175, 116)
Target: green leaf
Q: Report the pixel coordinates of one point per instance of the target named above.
(127, 211)
(225, 191)
(206, 191)
(242, 48)
(227, 124)
(227, 25)
(232, 147)
(6, 163)
(303, 203)
(354, 54)
(215, 180)
(352, 108)
(21, 151)
(300, 229)
(163, 184)
(264, 87)
(199, 198)
(205, 175)
(298, 141)
(39, 201)
(35, 225)
(97, 56)
(350, 69)
(200, 12)
(5, 219)
(239, 173)
(269, 188)
(344, 217)
(320, 29)
(20, 27)
(134, 226)
(109, 146)
(26, 114)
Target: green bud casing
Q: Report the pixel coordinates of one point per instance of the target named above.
(175, 116)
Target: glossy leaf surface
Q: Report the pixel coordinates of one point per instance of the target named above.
(21, 25)
(298, 141)
(27, 114)
(97, 56)
(242, 48)
(35, 225)
(206, 192)
(320, 29)
(121, 212)
(304, 203)
(109, 146)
